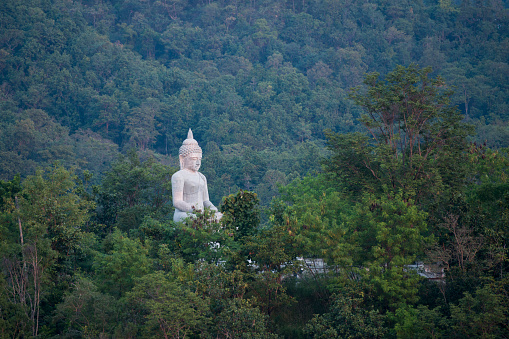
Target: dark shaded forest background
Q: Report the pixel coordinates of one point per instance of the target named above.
(97, 96)
(258, 81)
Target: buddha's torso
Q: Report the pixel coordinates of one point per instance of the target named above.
(193, 187)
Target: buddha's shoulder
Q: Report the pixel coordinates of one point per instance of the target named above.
(179, 174)
(183, 174)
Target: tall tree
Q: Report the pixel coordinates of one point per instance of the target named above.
(49, 216)
(171, 310)
(132, 190)
(416, 140)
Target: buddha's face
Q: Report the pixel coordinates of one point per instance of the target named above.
(192, 162)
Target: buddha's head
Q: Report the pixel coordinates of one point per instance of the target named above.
(190, 154)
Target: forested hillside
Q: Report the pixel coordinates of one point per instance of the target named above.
(257, 81)
(370, 134)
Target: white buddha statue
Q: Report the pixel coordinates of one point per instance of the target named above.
(189, 187)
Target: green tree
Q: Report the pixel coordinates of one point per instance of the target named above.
(241, 213)
(49, 217)
(488, 206)
(233, 314)
(274, 251)
(51, 206)
(348, 317)
(240, 319)
(482, 315)
(123, 260)
(389, 234)
(320, 212)
(34, 138)
(132, 190)
(87, 311)
(170, 309)
(109, 112)
(201, 238)
(13, 320)
(471, 238)
(140, 124)
(420, 321)
(416, 139)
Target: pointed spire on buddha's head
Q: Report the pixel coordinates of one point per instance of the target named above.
(189, 145)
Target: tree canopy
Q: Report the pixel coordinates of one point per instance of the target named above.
(357, 150)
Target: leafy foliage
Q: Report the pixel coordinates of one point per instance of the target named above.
(416, 138)
(83, 82)
(170, 310)
(266, 75)
(123, 260)
(87, 311)
(50, 216)
(240, 319)
(390, 235)
(132, 190)
(240, 213)
(347, 317)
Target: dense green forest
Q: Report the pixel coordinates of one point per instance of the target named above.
(372, 135)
